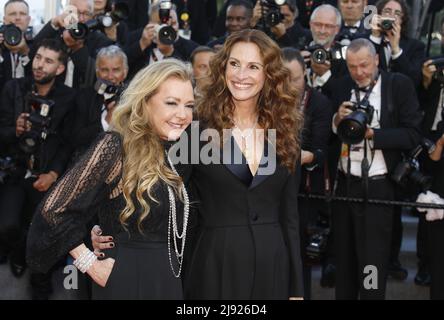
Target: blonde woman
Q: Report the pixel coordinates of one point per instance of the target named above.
(129, 182)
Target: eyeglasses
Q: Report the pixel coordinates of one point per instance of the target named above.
(86, 14)
(390, 12)
(327, 26)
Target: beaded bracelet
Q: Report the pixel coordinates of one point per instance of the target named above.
(85, 260)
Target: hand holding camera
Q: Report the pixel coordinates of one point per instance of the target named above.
(148, 34)
(353, 124)
(428, 71)
(71, 42)
(22, 124)
(320, 68)
(344, 110)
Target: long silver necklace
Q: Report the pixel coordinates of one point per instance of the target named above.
(172, 223)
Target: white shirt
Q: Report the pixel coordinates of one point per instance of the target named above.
(377, 164)
(354, 28)
(18, 63)
(387, 50)
(105, 124)
(69, 79)
(438, 114)
(159, 56)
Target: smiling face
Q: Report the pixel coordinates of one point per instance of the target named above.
(324, 27)
(170, 110)
(393, 10)
(244, 72)
(111, 69)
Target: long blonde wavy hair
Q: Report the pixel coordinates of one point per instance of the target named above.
(276, 104)
(143, 153)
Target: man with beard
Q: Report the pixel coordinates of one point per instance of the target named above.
(34, 127)
(325, 23)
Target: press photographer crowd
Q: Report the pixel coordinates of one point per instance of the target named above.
(369, 96)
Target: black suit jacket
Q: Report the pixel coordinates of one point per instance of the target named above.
(408, 63)
(202, 17)
(429, 99)
(137, 59)
(6, 66)
(83, 59)
(87, 120)
(55, 150)
(138, 14)
(248, 245)
(318, 114)
(400, 128)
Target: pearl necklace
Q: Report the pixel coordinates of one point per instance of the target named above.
(172, 223)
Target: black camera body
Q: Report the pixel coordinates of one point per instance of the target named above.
(12, 34)
(408, 170)
(39, 117)
(317, 236)
(320, 55)
(351, 130)
(81, 31)
(165, 33)
(109, 90)
(438, 62)
(386, 24)
(273, 15)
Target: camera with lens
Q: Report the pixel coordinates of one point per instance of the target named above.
(317, 240)
(39, 116)
(108, 90)
(439, 64)
(12, 34)
(351, 129)
(408, 170)
(320, 55)
(165, 32)
(273, 15)
(119, 12)
(81, 31)
(386, 24)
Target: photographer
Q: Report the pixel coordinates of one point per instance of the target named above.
(145, 47)
(352, 12)
(324, 25)
(95, 106)
(238, 18)
(14, 59)
(377, 119)
(397, 52)
(118, 11)
(432, 99)
(315, 135)
(80, 69)
(283, 27)
(34, 126)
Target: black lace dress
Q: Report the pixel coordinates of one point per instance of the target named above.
(93, 188)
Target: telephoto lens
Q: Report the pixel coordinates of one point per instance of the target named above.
(12, 34)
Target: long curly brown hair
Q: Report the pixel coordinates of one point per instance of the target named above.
(277, 102)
